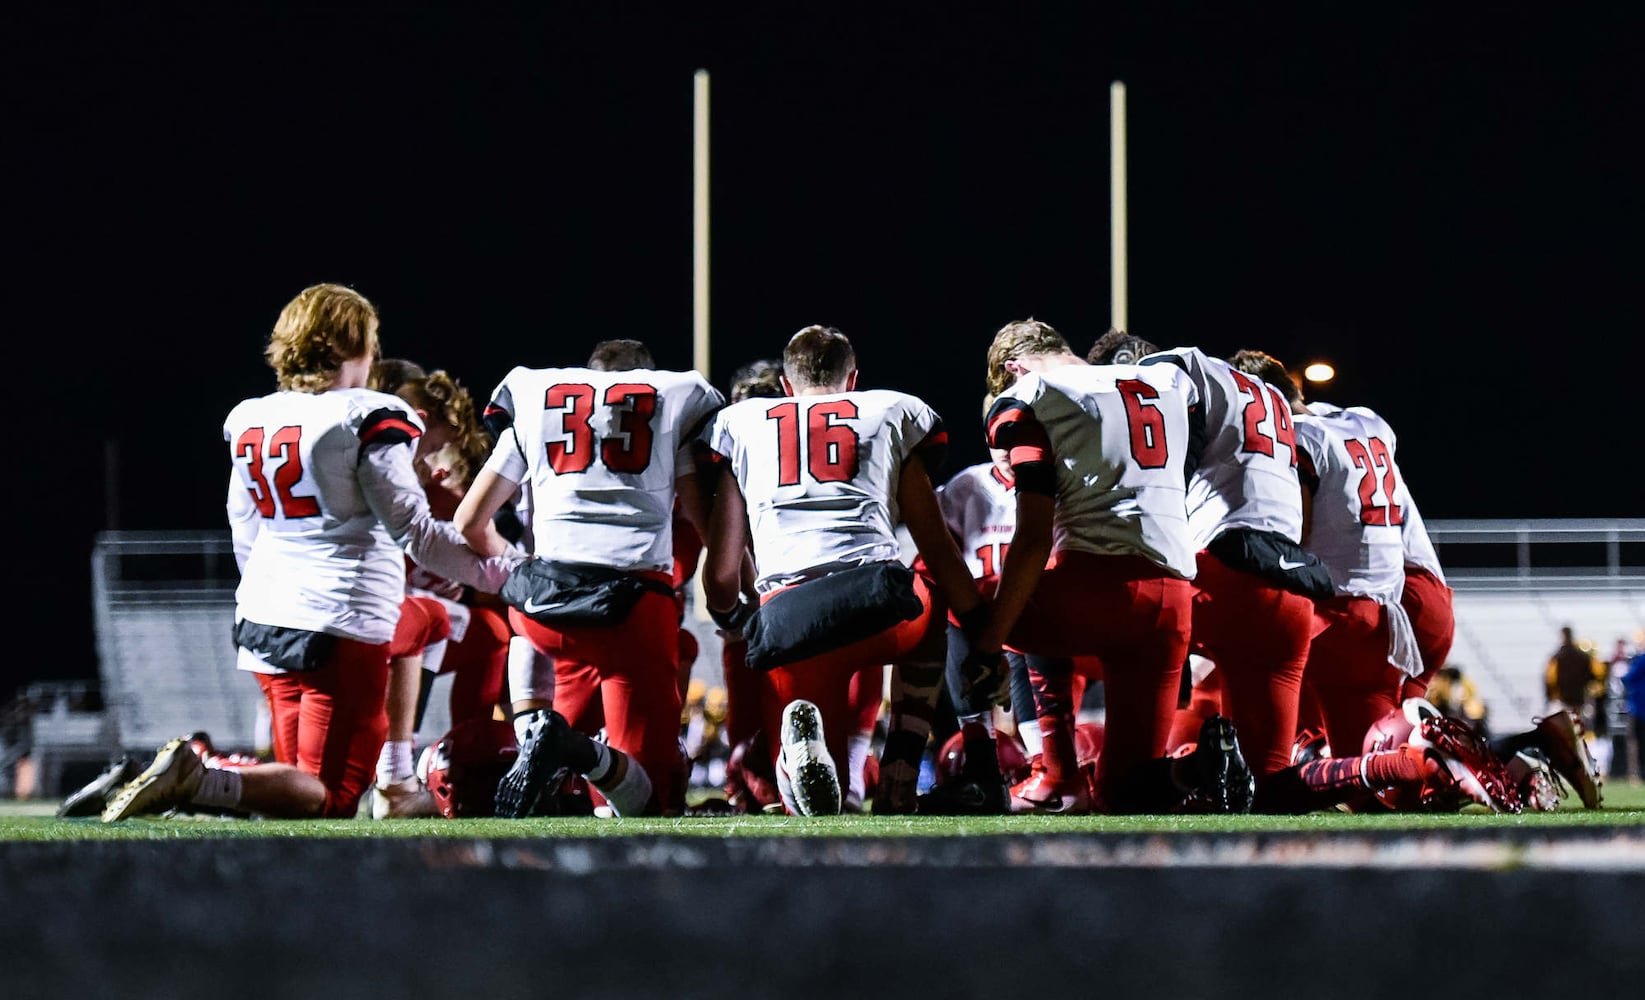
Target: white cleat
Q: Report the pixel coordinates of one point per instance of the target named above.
(813, 782)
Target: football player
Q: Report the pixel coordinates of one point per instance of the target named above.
(815, 484)
(980, 507)
(1254, 584)
(445, 627)
(1426, 597)
(1100, 456)
(1354, 504)
(604, 451)
(324, 504)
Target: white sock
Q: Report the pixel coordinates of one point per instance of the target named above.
(1032, 742)
(530, 673)
(856, 755)
(394, 763)
(219, 788)
(630, 795)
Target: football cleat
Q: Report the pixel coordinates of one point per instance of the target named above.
(1559, 737)
(538, 771)
(1215, 777)
(1538, 787)
(406, 799)
(897, 793)
(1469, 766)
(1040, 795)
(90, 798)
(165, 784)
(750, 776)
(805, 765)
(1310, 746)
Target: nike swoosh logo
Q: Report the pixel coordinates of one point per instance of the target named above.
(1291, 565)
(531, 607)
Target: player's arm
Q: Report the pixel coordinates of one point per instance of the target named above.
(494, 488)
(917, 500)
(244, 521)
(727, 543)
(1024, 564)
(392, 491)
(1013, 428)
(475, 516)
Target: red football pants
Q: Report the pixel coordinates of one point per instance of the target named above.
(1428, 603)
(1349, 673)
(480, 666)
(1258, 635)
(636, 663)
(1135, 617)
(332, 722)
(825, 680)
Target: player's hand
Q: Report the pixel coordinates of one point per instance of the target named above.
(731, 623)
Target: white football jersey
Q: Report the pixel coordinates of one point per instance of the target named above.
(323, 485)
(1118, 437)
(598, 453)
(1360, 501)
(1419, 548)
(1247, 474)
(819, 475)
(980, 508)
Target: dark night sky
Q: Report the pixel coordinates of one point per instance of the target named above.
(1447, 206)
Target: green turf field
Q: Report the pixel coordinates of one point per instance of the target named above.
(34, 821)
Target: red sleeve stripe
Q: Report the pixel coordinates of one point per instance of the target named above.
(387, 426)
(1015, 429)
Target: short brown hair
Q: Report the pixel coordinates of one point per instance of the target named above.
(1268, 368)
(388, 374)
(324, 326)
(1116, 347)
(620, 356)
(1016, 340)
(818, 356)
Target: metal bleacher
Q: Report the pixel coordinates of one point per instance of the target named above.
(163, 606)
(1517, 582)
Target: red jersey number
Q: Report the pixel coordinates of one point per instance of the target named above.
(1255, 414)
(285, 455)
(628, 449)
(992, 557)
(1147, 423)
(830, 445)
(1376, 492)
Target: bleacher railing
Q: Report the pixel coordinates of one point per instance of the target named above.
(1542, 554)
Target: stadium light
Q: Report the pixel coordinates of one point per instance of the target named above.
(1319, 371)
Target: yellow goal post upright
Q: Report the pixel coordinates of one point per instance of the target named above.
(1118, 314)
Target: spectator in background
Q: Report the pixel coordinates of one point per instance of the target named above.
(1455, 695)
(1571, 678)
(1633, 683)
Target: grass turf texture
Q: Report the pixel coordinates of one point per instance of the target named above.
(34, 821)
